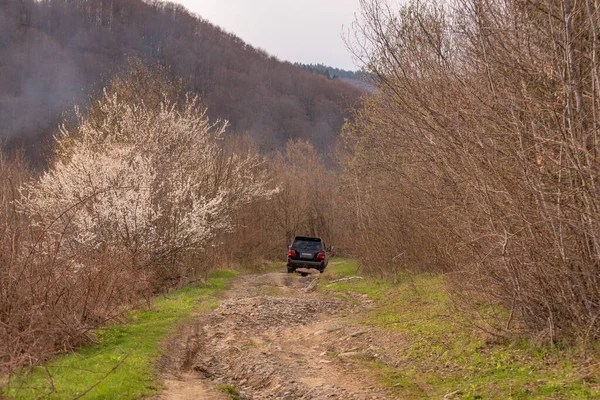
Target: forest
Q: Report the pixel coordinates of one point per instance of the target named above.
(57, 54)
(358, 79)
(476, 161)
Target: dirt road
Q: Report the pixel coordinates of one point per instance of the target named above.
(273, 337)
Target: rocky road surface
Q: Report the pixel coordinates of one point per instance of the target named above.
(273, 337)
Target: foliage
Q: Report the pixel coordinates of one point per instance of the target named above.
(334, 73)
(319, 70)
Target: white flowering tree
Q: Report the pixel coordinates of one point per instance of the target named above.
(148, 180)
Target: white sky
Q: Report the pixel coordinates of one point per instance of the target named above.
(306, 31)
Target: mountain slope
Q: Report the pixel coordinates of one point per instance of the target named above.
(358, 79)
(54, 53)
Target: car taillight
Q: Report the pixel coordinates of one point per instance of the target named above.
(291, 253)
(320, 255)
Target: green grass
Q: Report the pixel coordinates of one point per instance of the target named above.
(439, 352)
(231, 391)
(122, 364)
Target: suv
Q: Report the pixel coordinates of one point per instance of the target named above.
(307, 252)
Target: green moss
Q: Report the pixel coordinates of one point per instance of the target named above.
(122, 364)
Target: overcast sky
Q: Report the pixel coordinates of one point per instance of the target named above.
(307, 31)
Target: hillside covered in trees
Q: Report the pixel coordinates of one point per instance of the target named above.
(54, 54)
(331, 72)
(358, 79)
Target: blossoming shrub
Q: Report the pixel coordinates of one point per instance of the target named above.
(134, 192)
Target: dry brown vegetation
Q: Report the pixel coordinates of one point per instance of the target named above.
(143, 195)
(479, 155)
(477, 158)
(306, 203)
(136, 192)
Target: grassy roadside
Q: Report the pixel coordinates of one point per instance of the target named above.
(122, 364)
(439, 353)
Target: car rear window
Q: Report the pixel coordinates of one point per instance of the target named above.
(307, 245)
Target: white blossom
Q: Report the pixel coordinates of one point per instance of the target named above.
(150, 181)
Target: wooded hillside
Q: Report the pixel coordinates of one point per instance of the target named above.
(54, 53)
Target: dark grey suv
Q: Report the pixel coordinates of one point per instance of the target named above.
(307, 252)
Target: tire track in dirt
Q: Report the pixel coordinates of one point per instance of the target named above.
(272, 339)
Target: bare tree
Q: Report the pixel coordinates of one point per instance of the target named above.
(486, 126)
(305, 203)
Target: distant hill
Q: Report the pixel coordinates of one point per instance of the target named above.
(355, 78)
(54, 53)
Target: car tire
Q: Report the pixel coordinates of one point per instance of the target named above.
(290, 270)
